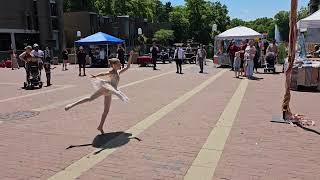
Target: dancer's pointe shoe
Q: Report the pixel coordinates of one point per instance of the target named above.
(67, 108)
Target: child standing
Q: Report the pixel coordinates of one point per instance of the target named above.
(106, 87)
(236, 64)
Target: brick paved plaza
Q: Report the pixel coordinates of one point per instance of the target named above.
(191, 126)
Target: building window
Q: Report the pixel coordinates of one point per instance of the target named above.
(53, 9)
(22, 40)
(55, 23)
(35, 15)
(29, 22)
(5, 42)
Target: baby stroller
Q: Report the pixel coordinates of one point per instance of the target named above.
(33, 75)
(270, 63)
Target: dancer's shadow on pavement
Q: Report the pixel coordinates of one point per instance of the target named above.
(308, 129)
(108, 141)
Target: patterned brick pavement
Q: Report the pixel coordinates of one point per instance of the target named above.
(35, 148)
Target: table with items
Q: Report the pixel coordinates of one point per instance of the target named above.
(305, 73)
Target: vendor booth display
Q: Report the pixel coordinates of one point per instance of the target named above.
(310, 28)
(99, 39)
(305, 73)
(237, 33)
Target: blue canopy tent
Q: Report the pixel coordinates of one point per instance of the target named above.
(99, 38)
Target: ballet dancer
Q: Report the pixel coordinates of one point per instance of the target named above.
(106, 87)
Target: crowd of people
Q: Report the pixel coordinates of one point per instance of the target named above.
(246, 58)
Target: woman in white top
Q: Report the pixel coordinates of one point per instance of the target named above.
(249, 56)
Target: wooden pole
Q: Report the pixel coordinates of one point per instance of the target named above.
(292, 51)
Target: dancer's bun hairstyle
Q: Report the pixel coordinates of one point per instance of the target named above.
(114, 61)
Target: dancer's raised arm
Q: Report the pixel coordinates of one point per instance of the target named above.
(129, 63)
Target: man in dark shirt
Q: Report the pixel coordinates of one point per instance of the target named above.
(81, 56)
(154, 53)
(120, 54)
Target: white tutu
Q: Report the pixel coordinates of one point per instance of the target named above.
(101, 83)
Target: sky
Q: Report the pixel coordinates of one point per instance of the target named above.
(252, 9)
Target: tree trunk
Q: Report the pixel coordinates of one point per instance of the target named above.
(292, 50)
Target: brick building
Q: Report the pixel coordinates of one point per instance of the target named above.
(124, 27)
(24, 22)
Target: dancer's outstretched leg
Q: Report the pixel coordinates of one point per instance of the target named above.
(94, 96)
(107, 103)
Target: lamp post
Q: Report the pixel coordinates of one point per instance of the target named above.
(139, 38)
(214, 30)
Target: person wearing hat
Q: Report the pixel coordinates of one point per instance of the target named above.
(81, 56)
(26, 56)
(37, 53)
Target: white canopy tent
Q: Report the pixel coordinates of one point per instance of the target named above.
(239, 32)
(312, 21)
(310, 26)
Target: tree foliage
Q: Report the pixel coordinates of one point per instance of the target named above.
(193, 20)
(180, 23)
(282, 20)
(164, 36)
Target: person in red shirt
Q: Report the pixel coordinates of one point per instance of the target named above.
(232, 49)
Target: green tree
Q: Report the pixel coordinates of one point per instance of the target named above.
(236, 22)
(196, 16)
(164, 36)
(121, 7)
(282, 20)
(180, 23)
(79, 5)
(168, 9)
(303, 13)
(104, 7)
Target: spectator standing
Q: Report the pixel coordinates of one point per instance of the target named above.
(249, 57)
(154, 50)
(37, 53)
(81, 56)
(201, 55)
(120, 55)
(27, 56)
(65, 57)
(232, 49)
(257, 57)
(179, 56)
(14, 60)
(242, 49)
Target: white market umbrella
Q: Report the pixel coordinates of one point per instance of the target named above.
(239, 32)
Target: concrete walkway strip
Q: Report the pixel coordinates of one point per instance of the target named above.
(203, 167)
(37, 93)
(87, 162)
